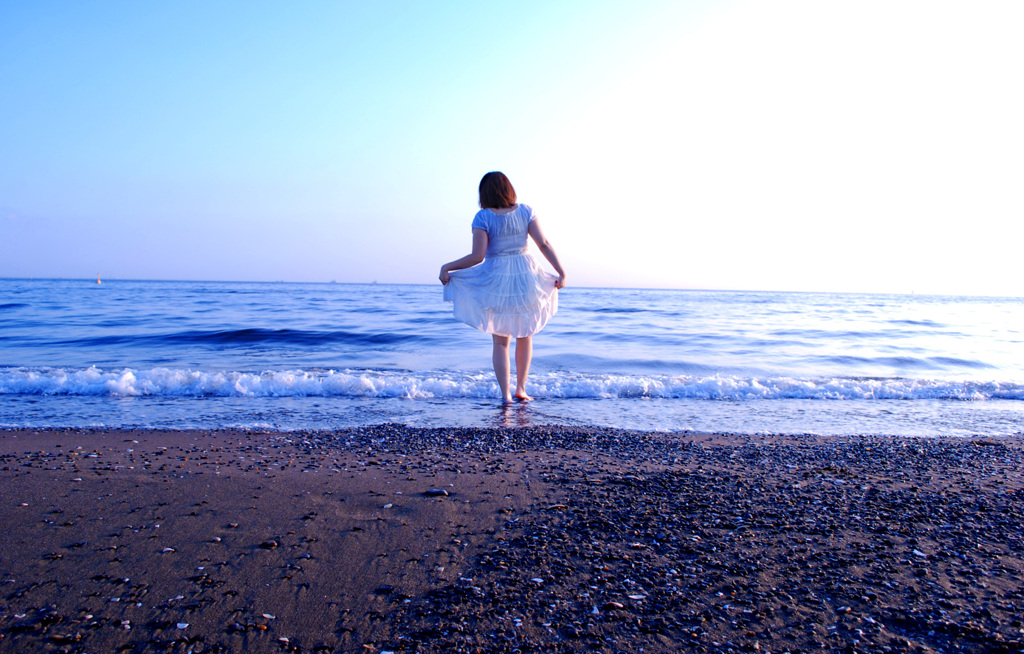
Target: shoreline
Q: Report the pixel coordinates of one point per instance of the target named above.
(544, 539)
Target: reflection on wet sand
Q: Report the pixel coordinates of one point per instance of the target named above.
(514, 414)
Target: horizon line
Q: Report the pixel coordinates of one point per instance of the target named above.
(617, 288)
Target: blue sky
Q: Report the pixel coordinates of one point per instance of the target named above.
(791, 145)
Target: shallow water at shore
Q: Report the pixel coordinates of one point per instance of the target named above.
(919, 418)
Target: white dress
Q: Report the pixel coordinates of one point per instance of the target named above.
(509, 293)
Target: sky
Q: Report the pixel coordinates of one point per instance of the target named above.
(806, 145)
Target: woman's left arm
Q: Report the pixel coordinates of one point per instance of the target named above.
(473, 258)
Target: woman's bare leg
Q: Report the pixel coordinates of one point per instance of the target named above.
(499, 358)
(524, 355)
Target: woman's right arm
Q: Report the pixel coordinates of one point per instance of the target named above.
(473, 258)
(549, 252)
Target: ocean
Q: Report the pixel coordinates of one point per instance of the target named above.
(291, 356)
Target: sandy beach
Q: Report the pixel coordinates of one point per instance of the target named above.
(500, 540)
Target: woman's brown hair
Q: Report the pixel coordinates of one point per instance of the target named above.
(496, 191)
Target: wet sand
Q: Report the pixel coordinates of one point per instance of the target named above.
(499, 540)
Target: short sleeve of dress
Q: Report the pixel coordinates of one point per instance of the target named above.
(480, 220)
(530, 212)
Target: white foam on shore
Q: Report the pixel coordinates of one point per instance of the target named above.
(448, 384)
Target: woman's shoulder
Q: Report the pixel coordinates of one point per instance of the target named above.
(482, 219)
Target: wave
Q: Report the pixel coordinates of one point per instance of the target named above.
(249, 337)
(163, 382)
(907, 362)
(620, 310)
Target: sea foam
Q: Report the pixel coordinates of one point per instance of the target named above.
(158, 382)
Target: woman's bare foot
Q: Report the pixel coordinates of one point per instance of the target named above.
(521, 396)
(507, 400)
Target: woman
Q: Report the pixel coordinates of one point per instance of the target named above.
(499, 288)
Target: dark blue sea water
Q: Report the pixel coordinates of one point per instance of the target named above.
(320, 356)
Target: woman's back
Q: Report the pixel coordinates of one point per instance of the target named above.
(506, 232)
